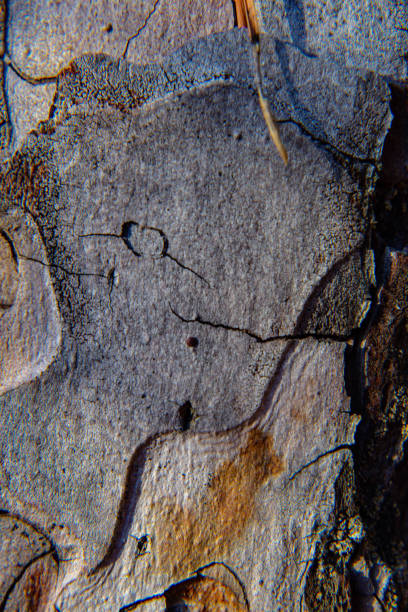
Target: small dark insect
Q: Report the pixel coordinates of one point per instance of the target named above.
(142, 544)
(192, 342)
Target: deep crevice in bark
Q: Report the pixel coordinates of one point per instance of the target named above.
(377, 486)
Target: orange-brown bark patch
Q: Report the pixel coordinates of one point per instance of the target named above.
(36, 587)
(204, 594)
(187, 537)
(25, 181)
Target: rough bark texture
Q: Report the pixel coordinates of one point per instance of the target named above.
(357, 33)
(30, 326)
(44, 37)
(372, 575)
(190, 331)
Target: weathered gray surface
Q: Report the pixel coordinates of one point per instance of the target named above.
(45, 36)
(348, 116)
(359, 34)
(181, 211)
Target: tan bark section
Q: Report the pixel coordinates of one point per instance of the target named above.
(203, 594)
(30, 328)
(34, 590)
(186, 538)
(8, 274)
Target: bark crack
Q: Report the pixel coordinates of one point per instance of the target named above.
(327, 453)
(33, 80)
(328, 145)
(126, 237)
(142, 27)
(197, 573)
(57, 266)
(26, 566)
(318, 139)
(261, 339)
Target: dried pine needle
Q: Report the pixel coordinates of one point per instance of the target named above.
(272, 127)
(246, 17)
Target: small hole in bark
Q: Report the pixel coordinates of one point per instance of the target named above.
(192, 342)
(186, 415)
